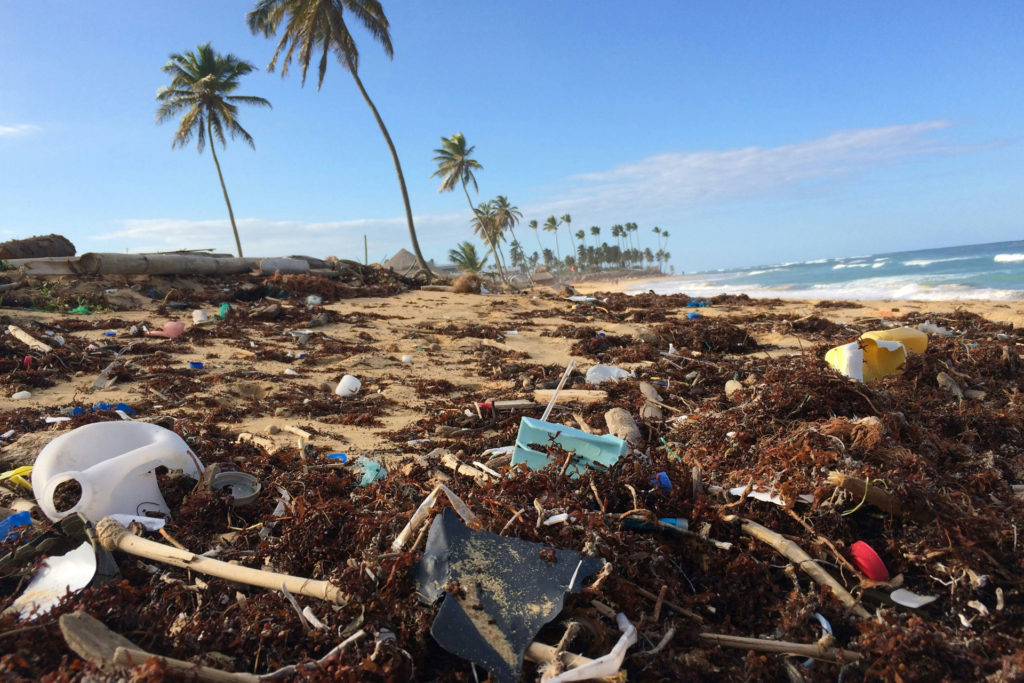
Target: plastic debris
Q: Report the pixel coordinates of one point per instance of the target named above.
(604, 373)
(590, 450)
(10, 527)
(348, 386)
(901, 596)
(507, 590)
(58, 575)
(868, 359)
(915, 341)
(243, 487)
(867, 561)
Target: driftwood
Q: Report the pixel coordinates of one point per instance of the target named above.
(91, 640)
(620, 423)
(805, 562)
(782, 647)
(28, 340)
(586, 396)
(115, 536)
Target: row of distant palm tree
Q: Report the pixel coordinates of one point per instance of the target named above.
(203, 80)
(457, 167)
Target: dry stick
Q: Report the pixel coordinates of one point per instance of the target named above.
(804, 561)
(658, 603)
(511, 521)
(597, 496)
(883, 500)
(839, 556)
(115, 536)
(830, 654)
(676, 608)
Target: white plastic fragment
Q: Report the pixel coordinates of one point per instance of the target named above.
(606, 665)
(902, 596)
(761, 494)
(603, 373)
(19, 395)
(556, 519)
(148, 523)
(311, 618)
(58, 576)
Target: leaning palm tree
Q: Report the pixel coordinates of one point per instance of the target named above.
(465, 258)
(551, 225)
(454, 165)
(202, 81)
(567, 219)
(318, 26)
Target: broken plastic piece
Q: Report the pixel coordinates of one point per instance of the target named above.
(58, 575)
(498, 592)
(901, 596)
(113, 464)
(172, 330)
(244, 487)
(867, 359)
(371, 471)
(604, 373)
(761, 494)
(598, 451)
(868, 562)
(915, 341)
(607, 665)
(11, 527)
(348, 386)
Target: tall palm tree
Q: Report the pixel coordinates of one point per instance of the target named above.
(657, 232)
(533, 226)
(454, 165)
(551, 225)
(595, 231)
(465, 258)
(567, 219)
(319, 26)
(202, 81)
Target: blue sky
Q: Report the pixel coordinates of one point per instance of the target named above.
(753, 132)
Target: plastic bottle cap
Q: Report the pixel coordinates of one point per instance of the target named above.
(868, 562)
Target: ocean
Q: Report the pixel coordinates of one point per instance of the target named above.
(974, 271)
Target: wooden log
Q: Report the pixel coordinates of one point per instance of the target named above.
(114, 536)
(586, 396)
(27, 339)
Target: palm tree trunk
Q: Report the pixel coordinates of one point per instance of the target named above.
(398, 171)
(223, 187)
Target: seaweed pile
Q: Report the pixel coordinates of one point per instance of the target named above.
(779, 466)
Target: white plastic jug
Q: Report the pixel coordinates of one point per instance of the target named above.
(113, 462)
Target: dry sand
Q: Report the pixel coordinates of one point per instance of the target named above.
(234, 377)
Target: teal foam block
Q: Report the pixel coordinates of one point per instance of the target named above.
(592, 450)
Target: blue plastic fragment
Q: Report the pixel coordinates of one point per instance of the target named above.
(692, 316)
(591, 450)
(338, 456)
(643, 525)
(662, 482)
(372, 471)
(18, 520)
(108, 406)
(195, 365)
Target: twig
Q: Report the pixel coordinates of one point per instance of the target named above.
(828, 654)
(658, 603)
(835, 553)
(675, 607)
(511, 521)
(804, 561)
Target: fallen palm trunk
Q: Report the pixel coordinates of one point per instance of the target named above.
(815, 651)
(115, 536)
(35, 247)
(802, 560)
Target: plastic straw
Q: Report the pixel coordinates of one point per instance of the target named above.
(554, 396)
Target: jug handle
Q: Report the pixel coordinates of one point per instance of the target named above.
(51, 488)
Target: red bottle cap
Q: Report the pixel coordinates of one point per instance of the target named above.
(868, 562)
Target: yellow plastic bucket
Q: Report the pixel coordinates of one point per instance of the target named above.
(916, 341)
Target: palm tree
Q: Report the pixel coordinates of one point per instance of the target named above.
(567, 219)
(657, 231)
(454, 165)
(202, 81)
(506, 215)
(533, 226)
(315, 26)
(595, 231)
(465, 258)
(551, 225)
(485, 225)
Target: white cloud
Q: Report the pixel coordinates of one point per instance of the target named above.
(18, 129)
(686, 179)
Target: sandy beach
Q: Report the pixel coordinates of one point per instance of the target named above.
(746, 399)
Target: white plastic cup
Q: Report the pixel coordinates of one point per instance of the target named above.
(200, 316)
(348, 387)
